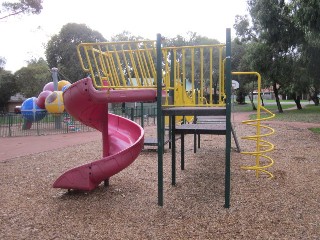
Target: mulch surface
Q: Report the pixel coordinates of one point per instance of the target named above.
(285, 207)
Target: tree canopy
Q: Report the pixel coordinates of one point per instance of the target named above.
(61, 50)
(125, 36)
(307, 16)
(8, 88)
(31, 79)
(22, 7)
(2, 62)
(278, 35)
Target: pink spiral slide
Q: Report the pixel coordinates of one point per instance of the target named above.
(122, 138)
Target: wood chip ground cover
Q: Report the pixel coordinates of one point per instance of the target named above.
(286, 207)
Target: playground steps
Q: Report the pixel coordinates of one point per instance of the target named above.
(208, 120)
(213, 119)
(202, 128)
(216, 123)
(150, 141)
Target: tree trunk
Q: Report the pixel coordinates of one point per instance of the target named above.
(315, 99)
(313, 95)
(251, 100)
(297, 101)
(276, 94)
(262, 103)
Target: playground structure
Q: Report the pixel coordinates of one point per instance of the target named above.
(147, 71)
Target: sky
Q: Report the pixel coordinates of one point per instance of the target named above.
(24, 37)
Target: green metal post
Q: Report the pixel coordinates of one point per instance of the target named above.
(172, 125)
(159, 121)
(142, 115)
(132, 114)
(170, 133)
(182, 151)
(173, 150)
(195, 121)
(10, 123)
(172, 120)
(38, 131)
(228, 118)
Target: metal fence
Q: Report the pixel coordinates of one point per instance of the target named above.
(15, 125)
(145, 116)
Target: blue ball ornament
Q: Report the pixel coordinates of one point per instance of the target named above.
(31, 111)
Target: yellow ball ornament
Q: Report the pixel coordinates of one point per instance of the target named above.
(62, 83)
(54, 102)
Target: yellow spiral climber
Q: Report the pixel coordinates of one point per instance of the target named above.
(262, 161)
(262, 146)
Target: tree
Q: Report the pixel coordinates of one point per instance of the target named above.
(276, 36)
(307, 13)
(31, 79)
(8, 88)
(125, 36)
(2, 62)
(61, 50)
(311, 57)
(241, 63)
(22, 7)
(306, 16)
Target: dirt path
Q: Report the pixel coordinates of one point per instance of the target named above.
(20, 146)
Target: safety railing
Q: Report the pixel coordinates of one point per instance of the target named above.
(119, 64)
(192, 75)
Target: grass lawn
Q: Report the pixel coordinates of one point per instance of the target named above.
(309, 113)
(315, 130)
(248, 107)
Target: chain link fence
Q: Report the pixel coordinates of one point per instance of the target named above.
(15, 125)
